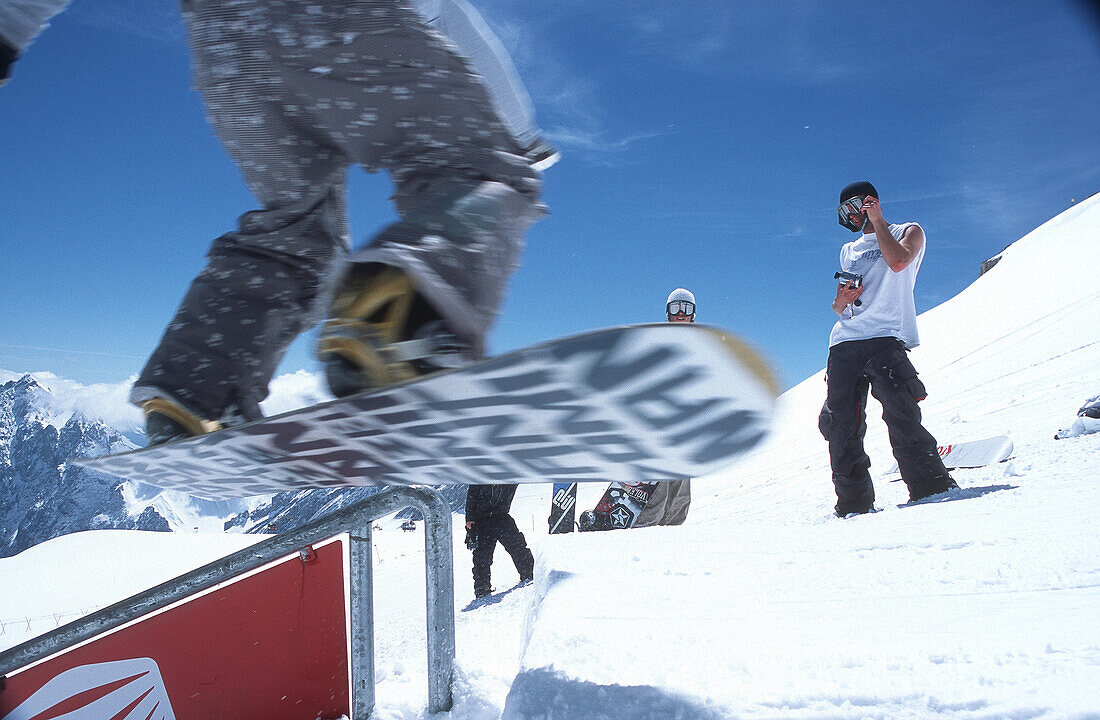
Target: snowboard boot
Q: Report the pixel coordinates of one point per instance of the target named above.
(845, 514)
(166, 421)
(381, 331)
(935, 487)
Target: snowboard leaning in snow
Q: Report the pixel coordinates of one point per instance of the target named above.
(661, 401)
(619, 507)
(976, 453)
(563, 508)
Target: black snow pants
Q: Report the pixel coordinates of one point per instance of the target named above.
(502, 529)
(881, 365)
(487, 508)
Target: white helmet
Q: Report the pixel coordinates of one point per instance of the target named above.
(680, 295)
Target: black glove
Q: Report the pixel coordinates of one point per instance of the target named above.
(7, 57)
(471, 536)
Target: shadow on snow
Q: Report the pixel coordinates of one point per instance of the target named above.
(543, 693)
(965, 493)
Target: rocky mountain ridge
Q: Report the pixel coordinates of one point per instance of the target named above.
(43, 496)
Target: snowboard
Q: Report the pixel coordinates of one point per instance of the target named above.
(632, 403)
(619, 507)
(563, 508)
(976, 453)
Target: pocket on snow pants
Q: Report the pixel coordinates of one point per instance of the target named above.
(825, 420)
(893, 365)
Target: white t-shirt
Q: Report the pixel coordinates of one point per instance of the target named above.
(887, 308)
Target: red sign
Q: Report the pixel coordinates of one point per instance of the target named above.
(272, 645)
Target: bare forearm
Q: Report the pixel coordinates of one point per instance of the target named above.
(846, 295)
(895, 255)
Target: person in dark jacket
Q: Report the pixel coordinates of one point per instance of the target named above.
(487, 523)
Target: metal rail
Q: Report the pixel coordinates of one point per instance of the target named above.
(355, 520)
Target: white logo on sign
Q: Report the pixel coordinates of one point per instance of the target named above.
(142, 687)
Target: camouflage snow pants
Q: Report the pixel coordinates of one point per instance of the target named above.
(298, 91)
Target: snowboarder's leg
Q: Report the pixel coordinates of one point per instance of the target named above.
(512, 540)
(466, 195)
(847, 403)
(296, 94)
(464, 26)
(895, 384)
(265, 282)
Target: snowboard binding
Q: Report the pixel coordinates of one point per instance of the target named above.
(381, 332)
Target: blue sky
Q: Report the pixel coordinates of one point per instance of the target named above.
(704, 142)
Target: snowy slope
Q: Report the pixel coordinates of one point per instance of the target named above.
(763, 605)
(988, 605)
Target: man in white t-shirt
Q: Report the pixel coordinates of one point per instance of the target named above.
(867, 350)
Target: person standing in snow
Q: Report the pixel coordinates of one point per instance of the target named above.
(867, 350)
(488, 522)
(298, 91)
(669, 502)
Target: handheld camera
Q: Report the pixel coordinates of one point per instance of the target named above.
(854, 278)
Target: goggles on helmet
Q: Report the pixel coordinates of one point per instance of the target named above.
(680, 306)
(850, 213)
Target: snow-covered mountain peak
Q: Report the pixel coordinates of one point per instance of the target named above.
(24, 399)
(45, 496)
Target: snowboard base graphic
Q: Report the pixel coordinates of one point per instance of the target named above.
(619, 507)
(563, 507)
(977, 453)
(629, 404)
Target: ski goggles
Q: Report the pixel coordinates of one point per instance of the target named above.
(680, 306)
(850, 213)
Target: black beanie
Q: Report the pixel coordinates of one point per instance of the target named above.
(861, 187)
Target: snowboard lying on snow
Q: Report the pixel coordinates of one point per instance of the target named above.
(977, 453)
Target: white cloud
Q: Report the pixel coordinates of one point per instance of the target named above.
(295, 390)
(105, 401)
(109, 402)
